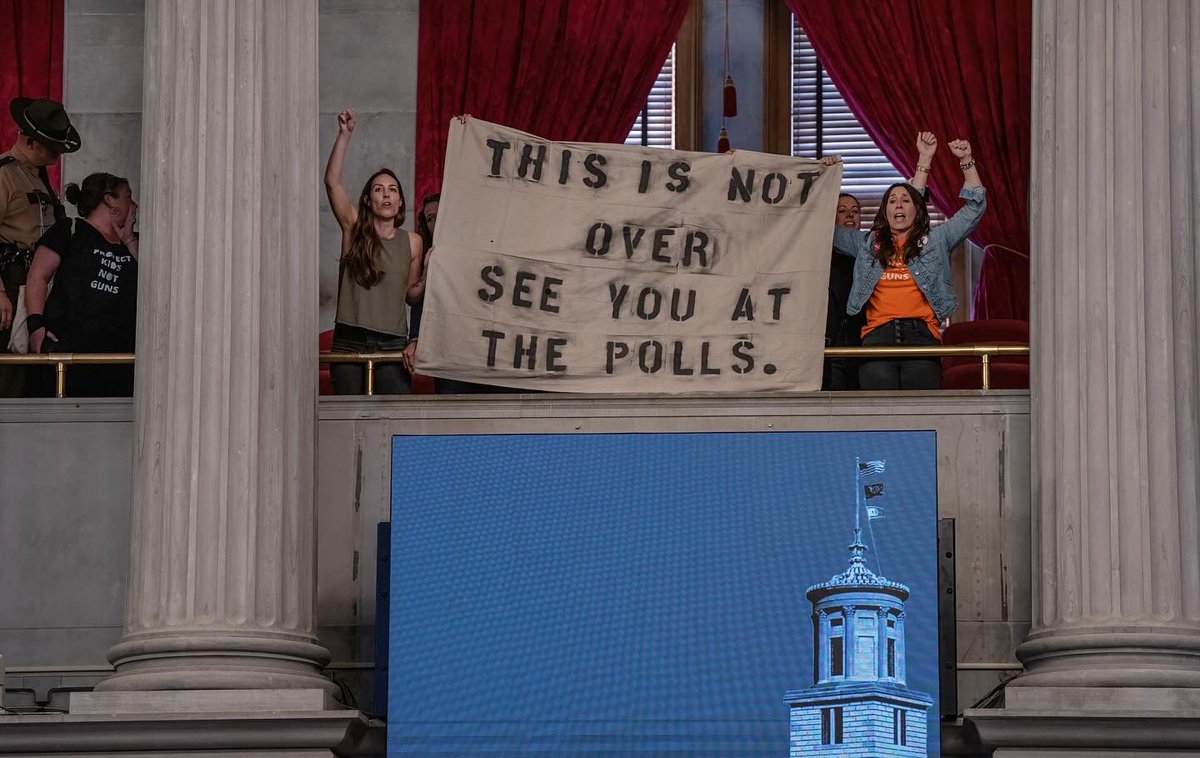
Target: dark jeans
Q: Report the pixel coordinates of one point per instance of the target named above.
(351, 378)
(915, 374)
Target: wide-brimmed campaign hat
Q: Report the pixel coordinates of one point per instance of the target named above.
(45, 121)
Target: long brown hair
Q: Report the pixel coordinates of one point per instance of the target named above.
(881, 232)
(362, 259)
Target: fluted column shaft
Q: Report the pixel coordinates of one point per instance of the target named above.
(222, 565)
(1116, 234)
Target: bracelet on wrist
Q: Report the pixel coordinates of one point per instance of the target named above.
(923, 169)
(968, 165)
(34, 321)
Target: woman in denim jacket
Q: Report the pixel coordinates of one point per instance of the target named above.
(902, 275)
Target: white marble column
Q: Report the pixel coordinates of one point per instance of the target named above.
(1116, 236)
(1116, 148)
(222, 578)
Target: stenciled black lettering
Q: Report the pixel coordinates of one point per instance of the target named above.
(528, 353)
(650, 356)
(564, 168)
(660, 243)
(593, 163)
(491, 277)
(688, 311)
(655, 298)
(644, 178)
(528, 160)
(498, 147)
(591, 246)
(521, 288)
(493, 337)
(741, 188)
(616, 351)
(705, 369)
(740, 351)
(777, 305)
(695, 243)
(550, 294)
(632, 239)
(617, 296)
(774, 178)
(808, 178)
(745, 306)
(677, 367)
(554, 354)
(678, 171)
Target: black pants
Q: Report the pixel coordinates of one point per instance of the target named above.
(12, 378)
(351, 378)
(914, 374)
(84, 380)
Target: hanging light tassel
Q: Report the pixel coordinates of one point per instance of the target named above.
(723, 141)
(730, 93)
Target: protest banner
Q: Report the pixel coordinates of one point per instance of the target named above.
(609, 268)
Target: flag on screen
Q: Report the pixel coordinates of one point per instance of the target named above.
(874, 512)
(873, 490)
(869, 468)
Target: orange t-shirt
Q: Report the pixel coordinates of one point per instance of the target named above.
(897, 295)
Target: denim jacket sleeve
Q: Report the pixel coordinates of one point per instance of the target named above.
(962, 223)
(847, 241)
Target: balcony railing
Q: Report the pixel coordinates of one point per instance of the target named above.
(60, 361)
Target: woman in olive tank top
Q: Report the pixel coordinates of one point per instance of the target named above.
(379, 272)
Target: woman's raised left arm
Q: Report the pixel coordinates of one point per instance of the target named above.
(964, 221)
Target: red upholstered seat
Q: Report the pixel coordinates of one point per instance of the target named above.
(324, 380)
(1005, 371)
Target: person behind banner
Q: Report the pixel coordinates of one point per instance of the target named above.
(92, 308)
(426, 223)
(379, 271)
(842, 329)
(28, 207)
(902, 275)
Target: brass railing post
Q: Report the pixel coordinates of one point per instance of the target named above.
(60, 379)
(370, 377)
(985, 375)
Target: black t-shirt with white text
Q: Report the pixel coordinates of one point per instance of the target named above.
(93, 305)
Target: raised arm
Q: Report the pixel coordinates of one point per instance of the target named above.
(962, 150)
(845, 241)
(926, 146)
(964, 221)
(339, 199)
(416, 279)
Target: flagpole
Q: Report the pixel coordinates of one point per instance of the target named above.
(871, 534)
(857, 493)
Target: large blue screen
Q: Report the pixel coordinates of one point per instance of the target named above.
(664, 594)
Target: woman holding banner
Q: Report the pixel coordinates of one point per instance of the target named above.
(379, 271)
(902, 274)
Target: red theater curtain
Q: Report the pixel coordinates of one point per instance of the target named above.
(959, 69)
(575, 70)
(31, 58)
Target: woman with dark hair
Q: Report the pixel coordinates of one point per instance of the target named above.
(902, 275)
(92, 307)
(379, 271)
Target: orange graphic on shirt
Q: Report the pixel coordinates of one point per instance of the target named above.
(897, 295)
